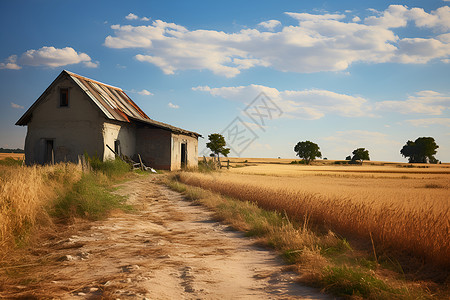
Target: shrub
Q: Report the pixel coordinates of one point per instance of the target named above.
(111, 168)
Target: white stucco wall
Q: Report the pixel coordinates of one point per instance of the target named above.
(125, 133)
(192, 151)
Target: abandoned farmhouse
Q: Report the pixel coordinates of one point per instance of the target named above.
(77, 115)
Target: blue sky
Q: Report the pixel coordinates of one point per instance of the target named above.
(343, 74)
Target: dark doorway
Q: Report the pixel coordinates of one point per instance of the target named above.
(183, 155)
(49, 154)
(117, 147)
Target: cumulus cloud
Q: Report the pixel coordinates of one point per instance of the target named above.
(419, 50)
(306, 104)
(423, 102)
(314, 18)
(270, 25)
(14, 105)
(10, 63)
(171, 105)
(49, 57)
(429, 122)
(145, 93)
(131, 16)
(319, 42)
(399, 15)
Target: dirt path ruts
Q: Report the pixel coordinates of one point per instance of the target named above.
(167, 249)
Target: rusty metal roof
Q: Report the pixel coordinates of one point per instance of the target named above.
(112, 101)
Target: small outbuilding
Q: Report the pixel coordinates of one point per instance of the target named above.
(77, 115)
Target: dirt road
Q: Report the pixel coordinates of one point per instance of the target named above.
(167, 249)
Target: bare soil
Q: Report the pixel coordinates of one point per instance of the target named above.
(167, 249)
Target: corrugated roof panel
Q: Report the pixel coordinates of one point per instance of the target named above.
(93, 98)
(102, 94)
(116, 104)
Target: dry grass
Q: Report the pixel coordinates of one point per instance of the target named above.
(24, 194)
(12, 155)
(322, 259)
(400, 214)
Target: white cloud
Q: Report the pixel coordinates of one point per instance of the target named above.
(314, 18)
(14, 105)
(131, 16)
(399, 15)
(429, 122)
(54, 57)
(91, 64)
(10, 63)
(270, 25)
(394, 16)
(320, 42)
(423, 102)
(145, 93)
(418, 50)
(171, 105)
(306, 104)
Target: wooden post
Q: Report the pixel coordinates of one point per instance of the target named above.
(142, 165)
(228, 164)
(115, 152)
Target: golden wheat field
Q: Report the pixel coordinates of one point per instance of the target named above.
(403, 208)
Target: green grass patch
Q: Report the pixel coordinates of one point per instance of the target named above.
(111, 168)
(89, 198)
(346, 281)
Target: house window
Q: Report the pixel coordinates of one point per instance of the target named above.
(63, 97)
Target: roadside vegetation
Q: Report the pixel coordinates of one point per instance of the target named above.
(347, 246)
(34, 199)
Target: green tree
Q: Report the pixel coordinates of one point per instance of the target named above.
(422, 150)
(360, 154)
(307, 150)
(217, 145)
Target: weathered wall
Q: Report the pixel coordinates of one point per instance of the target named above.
(153, 144)
(125, 133)
(192, 151)
(74, 129)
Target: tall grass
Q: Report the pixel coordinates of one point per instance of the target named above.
(31, 197)
(111, 168)
(24, 194)
(89, 198)
(415, 231)
(312, 254)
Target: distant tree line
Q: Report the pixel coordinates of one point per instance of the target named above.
(422, 150)
(3, 150)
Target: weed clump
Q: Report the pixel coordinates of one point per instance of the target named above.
(89, 198)
(111, 168)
